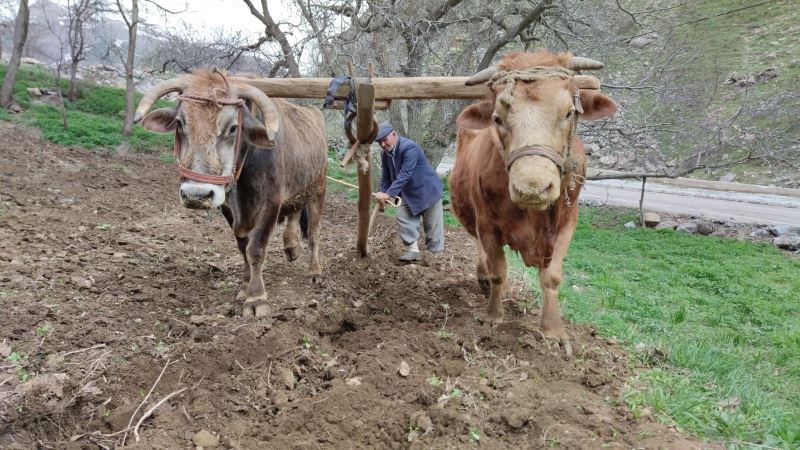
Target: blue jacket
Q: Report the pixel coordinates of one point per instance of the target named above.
(408, 174)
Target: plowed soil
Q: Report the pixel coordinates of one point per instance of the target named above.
(106, 281)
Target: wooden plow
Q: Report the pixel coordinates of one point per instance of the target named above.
(374, 94)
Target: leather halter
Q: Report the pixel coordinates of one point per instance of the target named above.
(222, 180)
(535, 150)
(543, 150)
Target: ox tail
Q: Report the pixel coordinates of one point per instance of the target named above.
(304, 223)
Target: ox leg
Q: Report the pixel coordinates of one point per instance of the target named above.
(291, 237)
(255, 301)
(314, 216)
(483, 271)
(552, 326)
(498, 272)
(242, 244)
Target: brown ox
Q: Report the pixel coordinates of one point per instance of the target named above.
(257, 173)
(518, 172)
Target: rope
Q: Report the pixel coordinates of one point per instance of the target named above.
(341, 182)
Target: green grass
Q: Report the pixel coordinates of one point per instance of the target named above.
(94, 119)
(726, 313)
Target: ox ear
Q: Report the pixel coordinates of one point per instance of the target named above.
(256, 133)
(161, 120)
(476, 116)
(596, 105)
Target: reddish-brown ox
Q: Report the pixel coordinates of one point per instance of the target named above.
(519, 169)
(257, 172)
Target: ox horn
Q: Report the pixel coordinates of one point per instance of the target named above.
(581, 63)
(157, 91)
(267, 107)
(481, 77)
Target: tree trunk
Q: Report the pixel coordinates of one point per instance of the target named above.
(129, 91)
(20, 36)
(73, 72)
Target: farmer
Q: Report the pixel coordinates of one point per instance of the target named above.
(408, 174)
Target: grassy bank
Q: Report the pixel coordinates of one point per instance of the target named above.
(725, 315)
(94, 120)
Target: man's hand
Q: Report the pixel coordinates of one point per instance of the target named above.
(382, 197)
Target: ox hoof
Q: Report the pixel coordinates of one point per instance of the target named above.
(491, 319)
(315, 278)
(240, 296)
(486, 286)
(558, 340)
(292, 253)
(257, 307)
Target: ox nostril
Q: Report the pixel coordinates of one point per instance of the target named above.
(548, 189)
(211, 194)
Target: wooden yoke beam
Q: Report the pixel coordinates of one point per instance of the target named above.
(366, 128)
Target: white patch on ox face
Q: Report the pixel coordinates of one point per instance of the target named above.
(202, 195)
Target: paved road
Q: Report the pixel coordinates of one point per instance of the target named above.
(738, 207)
(734, 206)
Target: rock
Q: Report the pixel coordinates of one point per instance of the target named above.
(517, 417)
(421, 421)
(404, 370)
(728, 177)
(667, 224)
(287, 378)
(788, 242)
(767, 74)
(781, 229)
(355, 381)
(608, 160)
(687, 227)
(33, 61)
(592, 148)
(705, 228)
(641, 42)
(5, 349)
(118, 419)
(761, 233)
(630, 225)
(123, 149)
(651, 219)
(204, 438)
(34, 91)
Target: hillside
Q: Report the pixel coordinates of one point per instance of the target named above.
(713, 82)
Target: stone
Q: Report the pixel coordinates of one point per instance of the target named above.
(761, 233)
(641, 42)
(404, 370)
(687, 227)
(788, 242)
(34, 91)
(705, 228)
(781, 229)
(728, 177)
(651, 219)
(630, 225)
(517, 417)
(204, 438)
(592, 148)
(287, 378)
(667, 224)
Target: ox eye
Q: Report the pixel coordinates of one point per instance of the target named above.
(569, 114)
(497, 119)
(232, 130)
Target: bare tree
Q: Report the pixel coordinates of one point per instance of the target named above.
(79, 12)
(131, 19)
(20, 36)
(273, 32)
